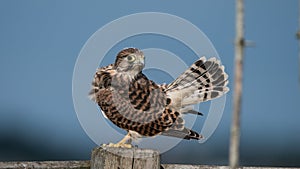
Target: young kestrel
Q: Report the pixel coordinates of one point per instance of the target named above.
(143, 108)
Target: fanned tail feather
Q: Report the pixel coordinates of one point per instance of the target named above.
(203, 81)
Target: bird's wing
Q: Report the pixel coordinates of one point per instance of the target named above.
(146, 103)
(139, 106)
(185, 133)
(101, 81)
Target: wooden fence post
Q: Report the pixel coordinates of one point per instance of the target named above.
(122, 158)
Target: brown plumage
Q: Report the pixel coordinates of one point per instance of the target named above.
(138, 105)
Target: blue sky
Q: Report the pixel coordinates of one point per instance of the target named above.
(40, 42)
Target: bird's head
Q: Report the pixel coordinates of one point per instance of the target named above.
(130, 60)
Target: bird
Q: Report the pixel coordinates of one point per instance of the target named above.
(143, 108)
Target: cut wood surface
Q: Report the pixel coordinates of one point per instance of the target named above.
(118, 158)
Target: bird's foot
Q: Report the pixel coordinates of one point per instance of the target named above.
(118, 145)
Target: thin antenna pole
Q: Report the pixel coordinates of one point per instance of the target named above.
(238, 77)
(298, 37)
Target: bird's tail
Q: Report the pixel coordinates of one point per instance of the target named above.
(203, 81)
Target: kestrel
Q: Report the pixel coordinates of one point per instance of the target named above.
(143, 108)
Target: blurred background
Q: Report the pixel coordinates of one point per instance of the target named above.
(40, 42)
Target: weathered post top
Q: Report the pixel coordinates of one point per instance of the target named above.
(105, 157)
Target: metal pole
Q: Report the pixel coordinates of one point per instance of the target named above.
(238, 77)
(298, 37)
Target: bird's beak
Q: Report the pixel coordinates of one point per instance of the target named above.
(140, 61)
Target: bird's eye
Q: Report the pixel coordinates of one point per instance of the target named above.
(130, 58)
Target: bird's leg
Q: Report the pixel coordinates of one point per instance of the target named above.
(123, 143)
